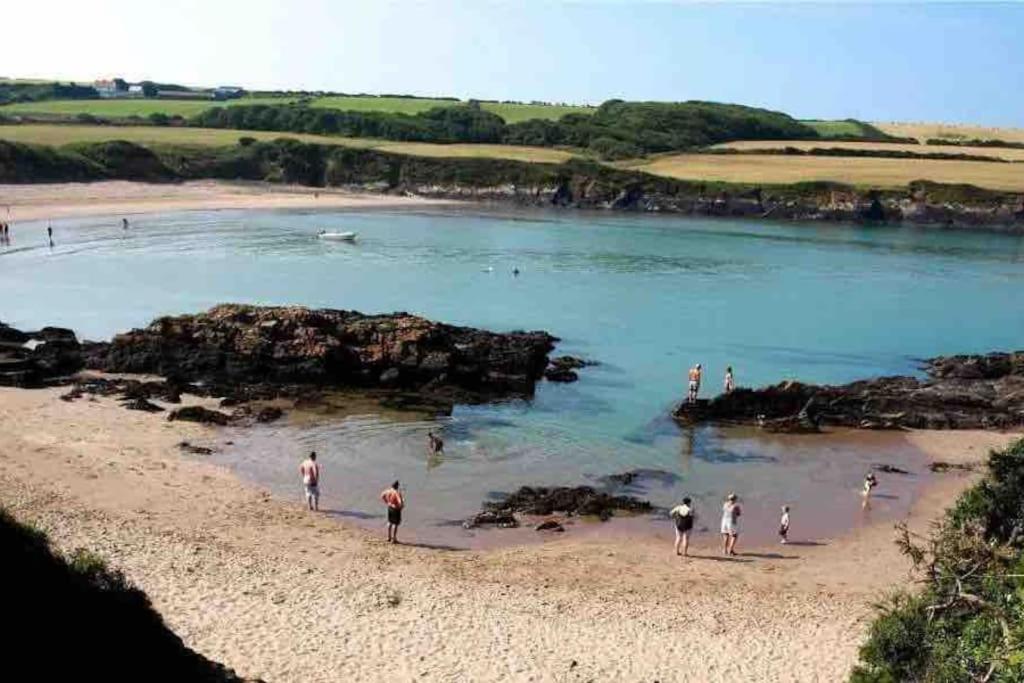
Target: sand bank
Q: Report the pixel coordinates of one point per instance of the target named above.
(124, 198)
(274, 591)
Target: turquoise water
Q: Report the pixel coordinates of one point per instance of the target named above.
(645, 296)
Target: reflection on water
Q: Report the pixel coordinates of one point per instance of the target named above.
(646, 296)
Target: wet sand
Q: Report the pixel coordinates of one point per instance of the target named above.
(119, 199)
(277, 592)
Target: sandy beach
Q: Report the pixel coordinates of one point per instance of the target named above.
(124, 198)
(283, 594)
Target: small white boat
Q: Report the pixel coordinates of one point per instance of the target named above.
(340, 236)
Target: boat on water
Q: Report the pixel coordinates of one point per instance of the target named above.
(339, 236)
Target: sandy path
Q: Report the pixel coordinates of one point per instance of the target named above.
(120, 198)
(276, 592)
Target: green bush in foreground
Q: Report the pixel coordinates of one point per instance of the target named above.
(968, 622)
(75, 619)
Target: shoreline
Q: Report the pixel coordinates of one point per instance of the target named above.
(50, 201)
(271, 590)
(36, 202)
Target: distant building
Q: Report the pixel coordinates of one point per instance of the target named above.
(114, 87)
(136, 90)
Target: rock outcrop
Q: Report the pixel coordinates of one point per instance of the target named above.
(959, 392)
(543, 501)
(29, 359)
(238, 346)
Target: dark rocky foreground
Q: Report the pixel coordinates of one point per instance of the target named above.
(958, 392)
(29, 359)
(239, 347)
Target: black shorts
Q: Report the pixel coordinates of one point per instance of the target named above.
(394, 516)
(684, 524)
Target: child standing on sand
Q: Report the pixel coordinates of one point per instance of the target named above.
(784, 524)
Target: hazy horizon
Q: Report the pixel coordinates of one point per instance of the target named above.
(947, 63)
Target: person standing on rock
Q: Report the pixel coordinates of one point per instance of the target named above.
(395, 502)
(730, 383)
(694, 383)
(310, 471)
(731, 513)
(684, 516)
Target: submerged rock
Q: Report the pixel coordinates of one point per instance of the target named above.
(563, 368)
(572, 500)
(959, 392)
(143, 405)
(195, 450)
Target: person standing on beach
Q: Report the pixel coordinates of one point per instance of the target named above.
(684, 516)
(731, 513)
(395, 502)
(870, 482)
(730, 383)
(784, 525)
(310, 471)
(49, 233)
(694, 383)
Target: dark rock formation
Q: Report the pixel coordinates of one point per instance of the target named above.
(502, 519)
(639, 477)
(550, 525)
(269, 414)
(199, 414)
(30, 359)
(572, 500)
(888, 469)
(143, 405)
(938, 466)
(194, 450)
(959, 392)
(563, 368)
(237, 345)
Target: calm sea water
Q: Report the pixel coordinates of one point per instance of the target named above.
(645, 296)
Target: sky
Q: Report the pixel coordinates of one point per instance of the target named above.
(948, 62)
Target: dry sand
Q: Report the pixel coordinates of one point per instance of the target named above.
(124, 198)
(280, 593)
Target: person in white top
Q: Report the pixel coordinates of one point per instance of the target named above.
(729, 383)
(731, 513)
(684, 516)
(310, 471)
(784, 525)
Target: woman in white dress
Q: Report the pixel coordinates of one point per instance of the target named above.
(731, 513)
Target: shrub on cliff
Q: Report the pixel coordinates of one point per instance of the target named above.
(968, 622)
(76, 619)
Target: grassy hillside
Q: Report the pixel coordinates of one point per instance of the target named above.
(118, 108)
(849, 129)
(967, 624)
(77, 620)
(994, 152)
(857, 171)
(511, 112)
(62, 134)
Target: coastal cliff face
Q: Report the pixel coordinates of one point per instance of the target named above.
(959, 392)
(576, 183)
(237, 344)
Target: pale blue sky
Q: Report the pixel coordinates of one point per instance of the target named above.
(945, 62)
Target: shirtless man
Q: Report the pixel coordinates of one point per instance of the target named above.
(393, 498)
(310, 471)
(694, 384)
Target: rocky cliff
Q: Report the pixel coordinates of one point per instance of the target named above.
(239, 345)
(958, 392)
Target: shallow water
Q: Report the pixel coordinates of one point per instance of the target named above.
(646, 296)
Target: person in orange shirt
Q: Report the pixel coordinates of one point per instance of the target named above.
(393, 498)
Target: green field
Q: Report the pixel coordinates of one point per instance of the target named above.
(144, 107)
(831, 129)
(512, 113)
(127, 107)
